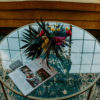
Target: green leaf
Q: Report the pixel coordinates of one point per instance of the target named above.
(24, 46)
(31, 34)
(26, 41)
(33, 30)
(43, 28)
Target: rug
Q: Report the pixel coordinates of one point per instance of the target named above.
(40, 92)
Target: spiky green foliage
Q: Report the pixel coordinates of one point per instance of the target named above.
(33, 41)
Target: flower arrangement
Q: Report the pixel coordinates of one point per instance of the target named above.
(46, 39)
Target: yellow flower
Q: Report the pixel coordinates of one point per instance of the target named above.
(45, 44)
(44, 37)
(52, 29)
(67, 28)
(58, 29)
(56, 25)
(45, 49)
(49, 26)
(47, 41)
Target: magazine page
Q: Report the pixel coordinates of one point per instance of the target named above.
(35, 78)
(20, 81)
(39, 63)
(29, 77)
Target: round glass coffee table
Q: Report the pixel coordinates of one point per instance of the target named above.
(73, 77)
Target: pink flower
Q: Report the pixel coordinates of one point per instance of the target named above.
(59, 40)
(59, 43)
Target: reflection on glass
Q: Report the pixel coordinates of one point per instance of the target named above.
(84, 50)
(85, 55)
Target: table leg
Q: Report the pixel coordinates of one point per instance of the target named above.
(4, 91)
(90, 92)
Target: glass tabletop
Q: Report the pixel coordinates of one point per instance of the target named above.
(73, 75)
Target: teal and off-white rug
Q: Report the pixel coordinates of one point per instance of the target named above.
(50, 88)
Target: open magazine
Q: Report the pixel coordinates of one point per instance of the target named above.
(29, 77)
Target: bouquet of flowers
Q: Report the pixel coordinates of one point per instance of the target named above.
(46, 39)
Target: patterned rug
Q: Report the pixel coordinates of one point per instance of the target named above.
(39, 91)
